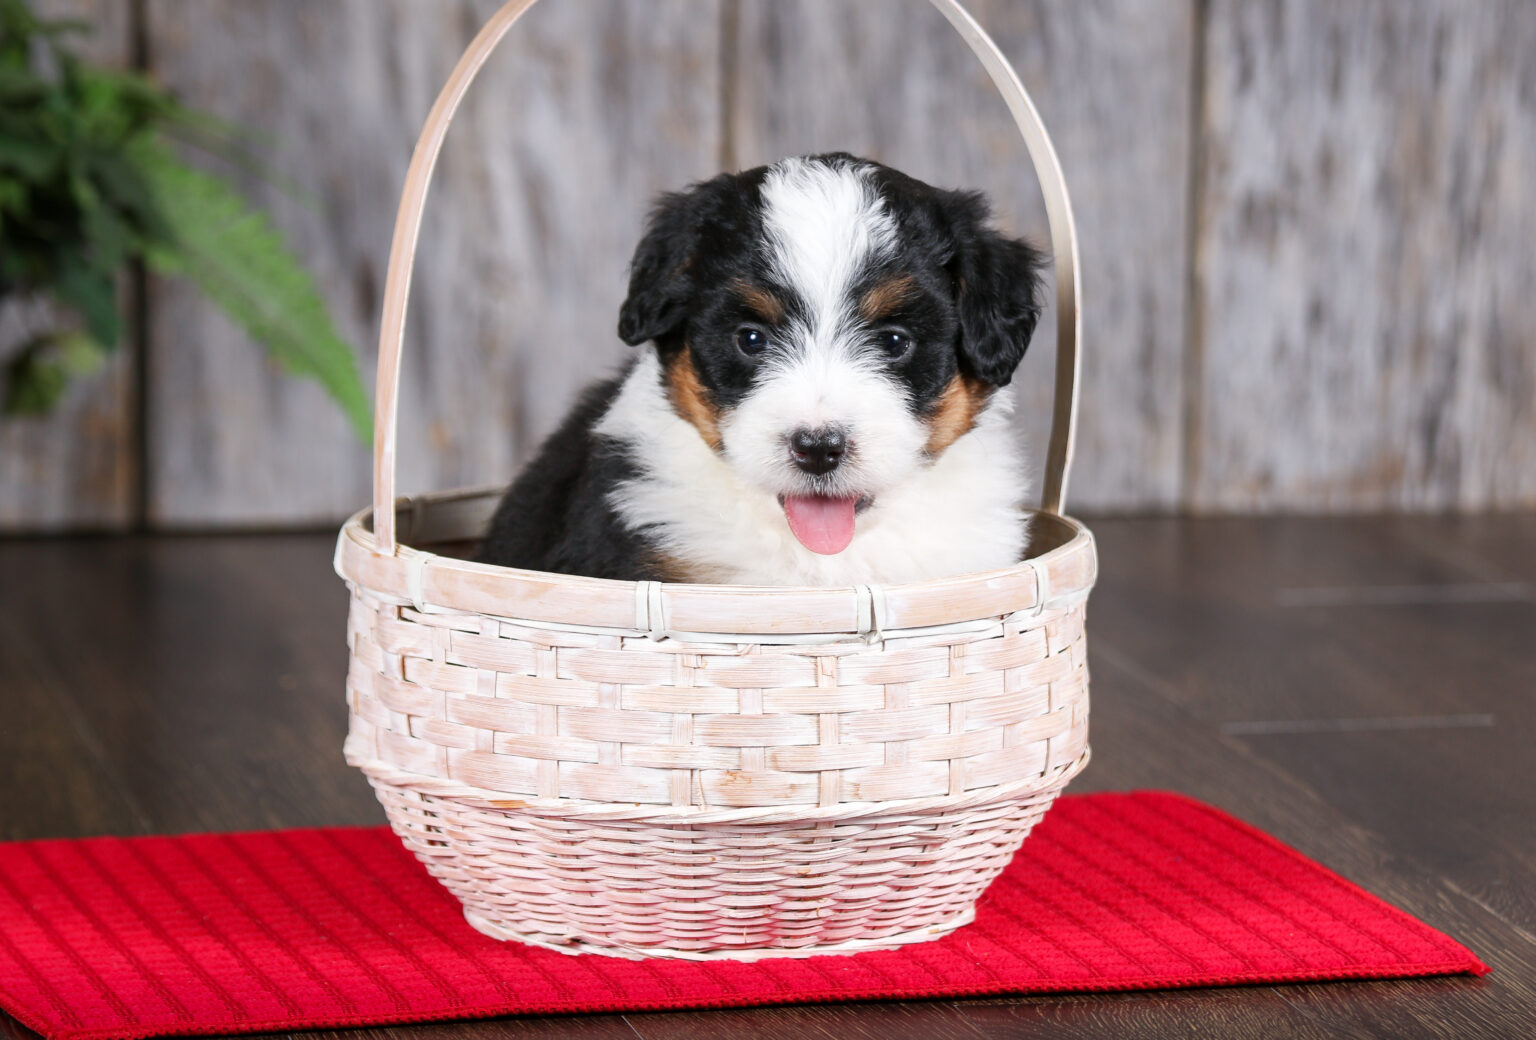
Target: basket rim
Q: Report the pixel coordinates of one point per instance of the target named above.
(1056, 579)
(1046, 785)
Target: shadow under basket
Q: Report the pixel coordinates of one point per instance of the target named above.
(646, 769)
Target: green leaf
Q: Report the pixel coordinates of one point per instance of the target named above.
(28, 158)
(36, 377)
(242, 264)
(92, 291)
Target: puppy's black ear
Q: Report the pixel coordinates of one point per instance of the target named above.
(662, 272)
(997, 291)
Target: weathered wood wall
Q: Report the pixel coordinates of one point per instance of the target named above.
(590, 109)
(1366, 257)
(1306, 234)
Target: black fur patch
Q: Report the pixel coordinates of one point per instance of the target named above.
(556, 516)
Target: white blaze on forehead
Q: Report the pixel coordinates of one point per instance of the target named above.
(825, 224)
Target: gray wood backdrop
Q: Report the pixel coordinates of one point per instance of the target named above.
(1308, 232)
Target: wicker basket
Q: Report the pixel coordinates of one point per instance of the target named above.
(642, 769)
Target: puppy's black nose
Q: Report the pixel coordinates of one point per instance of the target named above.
(818, 451)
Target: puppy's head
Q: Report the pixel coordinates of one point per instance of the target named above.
(830, 325)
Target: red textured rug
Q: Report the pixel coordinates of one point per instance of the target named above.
(232, 933)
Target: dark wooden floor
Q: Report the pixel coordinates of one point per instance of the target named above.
(1364, 689)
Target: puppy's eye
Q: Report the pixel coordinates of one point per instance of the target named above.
(893, 343)
(751, 341)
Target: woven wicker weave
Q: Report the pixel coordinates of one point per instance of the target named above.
(705, 771)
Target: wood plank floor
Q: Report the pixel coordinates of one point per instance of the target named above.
(1364, 689)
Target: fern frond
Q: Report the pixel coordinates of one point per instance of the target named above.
(242, 264)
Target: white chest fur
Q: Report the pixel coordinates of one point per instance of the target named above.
(958, 514)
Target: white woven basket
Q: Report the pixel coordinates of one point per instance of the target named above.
(642, 769)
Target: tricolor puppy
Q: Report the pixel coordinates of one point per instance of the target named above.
(818, 399)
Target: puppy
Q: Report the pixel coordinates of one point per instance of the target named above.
(818, 399)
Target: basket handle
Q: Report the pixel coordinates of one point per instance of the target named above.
(402, 255)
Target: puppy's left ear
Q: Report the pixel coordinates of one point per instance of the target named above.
(664, 270)
(997, 291)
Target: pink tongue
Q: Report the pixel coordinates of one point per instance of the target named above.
(823, 525)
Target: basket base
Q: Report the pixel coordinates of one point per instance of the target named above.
(755, 953)
(639, 882)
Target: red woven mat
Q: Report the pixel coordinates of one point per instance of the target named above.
(226, 933)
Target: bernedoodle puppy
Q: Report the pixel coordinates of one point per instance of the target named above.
(819, 397)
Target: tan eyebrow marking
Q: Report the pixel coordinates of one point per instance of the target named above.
(885, 297)
(760, 301)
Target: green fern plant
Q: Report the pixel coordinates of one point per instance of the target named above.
(92, 181)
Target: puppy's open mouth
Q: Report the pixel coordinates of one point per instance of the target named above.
(823, 523)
